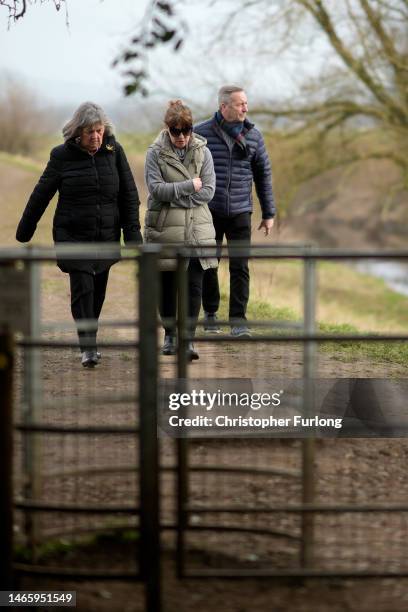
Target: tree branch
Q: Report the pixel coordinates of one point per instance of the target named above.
(319, 12)
(347, 107)
(23, 10)
(16, 13)
(391, 53)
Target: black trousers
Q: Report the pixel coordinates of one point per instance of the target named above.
(237, 228)
(168, 294)
(87, 297)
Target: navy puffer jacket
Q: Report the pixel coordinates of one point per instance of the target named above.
(235, 173)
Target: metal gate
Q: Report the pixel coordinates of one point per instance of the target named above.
(271, 516)
(285, 483)
(85, 462)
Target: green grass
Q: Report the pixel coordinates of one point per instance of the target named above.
(25, 163)
(388, 352)
(136, 144)
(384, 352)
(347, 301)
(61, 546)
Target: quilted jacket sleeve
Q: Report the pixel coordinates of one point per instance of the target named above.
(261, 169)
(43, 192)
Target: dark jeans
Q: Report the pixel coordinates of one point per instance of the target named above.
(87, 296)
(234, 228)
(168, 298)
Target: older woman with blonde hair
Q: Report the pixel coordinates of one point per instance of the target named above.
(97, 199)
(180, 177)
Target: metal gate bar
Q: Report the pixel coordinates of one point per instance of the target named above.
(6, 462)
(149, 444)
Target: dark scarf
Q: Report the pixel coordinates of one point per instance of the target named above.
(236, 130)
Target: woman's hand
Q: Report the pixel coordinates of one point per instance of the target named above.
(197, 182)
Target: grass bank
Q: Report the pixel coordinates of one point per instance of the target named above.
(347, 302)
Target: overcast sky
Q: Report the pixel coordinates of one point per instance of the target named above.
(69, 64)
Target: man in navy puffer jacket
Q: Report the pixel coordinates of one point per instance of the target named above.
(240, 158)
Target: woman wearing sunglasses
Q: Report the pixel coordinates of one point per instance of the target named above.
(180, 178)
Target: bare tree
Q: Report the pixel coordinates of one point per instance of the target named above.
(370, 39)
(160, 25)
(366, 84)
(18, 8)
(23, 118)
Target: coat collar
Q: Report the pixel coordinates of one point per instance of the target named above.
(248, 125)
(108, 146)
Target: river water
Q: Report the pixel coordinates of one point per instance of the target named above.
(395, 274)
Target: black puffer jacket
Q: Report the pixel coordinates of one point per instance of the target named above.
(97, 198)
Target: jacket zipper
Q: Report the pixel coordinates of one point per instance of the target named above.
(98, 206)
(230, 167)
(229, 183)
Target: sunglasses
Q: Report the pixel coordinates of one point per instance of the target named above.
(178, 131)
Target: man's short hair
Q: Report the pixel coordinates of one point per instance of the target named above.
(224, 94)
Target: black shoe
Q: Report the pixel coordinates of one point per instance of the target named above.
(89, 359)
(210, 323)
(169, 346)
(192, 353)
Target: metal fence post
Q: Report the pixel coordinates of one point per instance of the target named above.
(308, 444)
(182, 446)
(32, 397)
(6, 459)
(149, 445)
(182, 316)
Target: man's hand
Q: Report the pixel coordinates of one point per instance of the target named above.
(197, 182)
(266, 225)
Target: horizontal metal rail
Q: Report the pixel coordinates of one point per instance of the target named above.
(108, 469)
(38, 506)
(244, 470)
(268, 251)
(75, 531)
(255, 251)
(237, 471)
(165, 322)
(299, 508)
(241, 529)
(87, 251)
(74, 572)
(51, 326)
(306, 338)
(77, 429)
(239, 573)
(41, 343)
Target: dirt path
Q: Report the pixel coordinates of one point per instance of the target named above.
(349, 471)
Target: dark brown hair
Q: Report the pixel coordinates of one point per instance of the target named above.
(178, 114)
